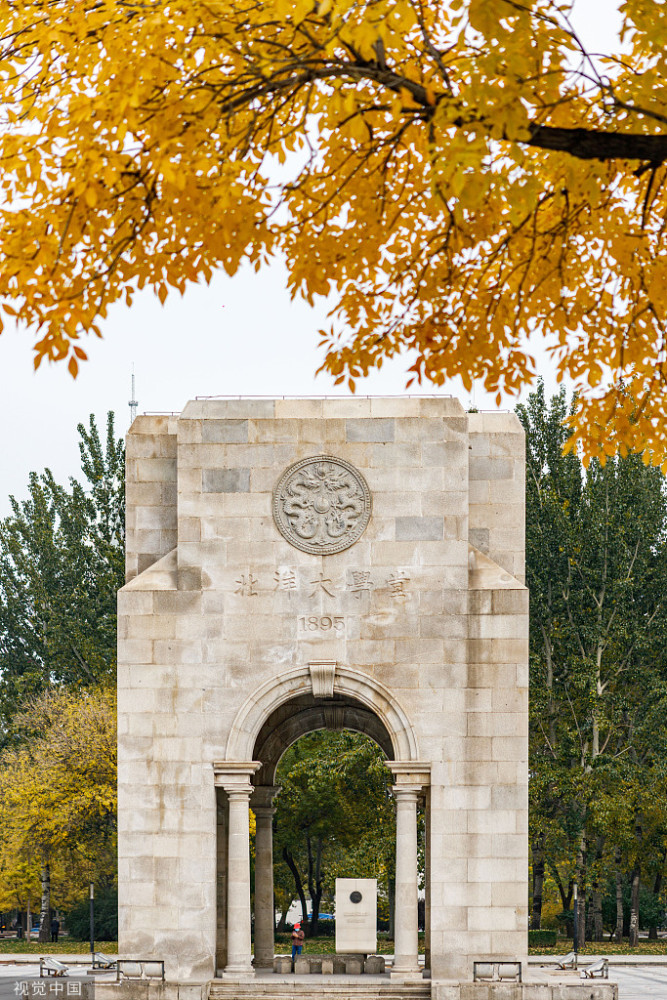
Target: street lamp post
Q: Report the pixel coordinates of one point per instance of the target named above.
(576, 926)
(92, 920)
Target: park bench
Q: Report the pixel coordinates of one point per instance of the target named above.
(139, 968)
(599, 968)
(52, 967)
(494, 972)
(102, 961)
(569, 962)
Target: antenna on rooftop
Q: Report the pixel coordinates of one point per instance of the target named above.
(133, 403)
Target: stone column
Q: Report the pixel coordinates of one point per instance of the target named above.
(262, 806)
(410, 779)
(222, 839)
(405, 911)
(234, 777)
(427, 882)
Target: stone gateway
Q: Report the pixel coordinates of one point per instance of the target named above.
(334, 563)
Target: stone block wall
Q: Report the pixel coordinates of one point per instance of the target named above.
(426, 612)
(497, 489)
(150, 520)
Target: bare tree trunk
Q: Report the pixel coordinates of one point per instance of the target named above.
(298, 885)
(20, 929)
(581, 927)
(538, 882)
(597, 925)
(283, 918)
(581, 881)
(594, 925)
(45, 906)
(565, 896)
(315, 884)
(633, 937)
(657, 887)
(28, 921)
(618, 932)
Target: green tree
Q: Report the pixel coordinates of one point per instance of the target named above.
(335, 814)
(105, 915)
(597, 572)
(58, 800)
(61, 563)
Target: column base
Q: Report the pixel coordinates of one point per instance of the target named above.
(263, 962)
(406, 975)
(240, 974)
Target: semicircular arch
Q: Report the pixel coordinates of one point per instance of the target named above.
(348, 683)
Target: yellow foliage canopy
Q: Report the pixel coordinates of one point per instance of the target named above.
(58, 797)
(459, 173)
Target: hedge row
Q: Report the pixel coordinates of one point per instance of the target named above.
(541, 939)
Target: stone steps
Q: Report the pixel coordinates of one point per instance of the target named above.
(320, 988)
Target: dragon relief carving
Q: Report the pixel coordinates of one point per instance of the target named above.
(321, 505)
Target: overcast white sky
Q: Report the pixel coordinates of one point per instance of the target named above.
(240, 336)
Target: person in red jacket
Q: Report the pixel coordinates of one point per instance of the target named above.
(298, 938)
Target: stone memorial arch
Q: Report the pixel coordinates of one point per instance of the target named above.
(298, 564)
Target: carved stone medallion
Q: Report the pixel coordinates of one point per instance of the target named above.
(321, 505)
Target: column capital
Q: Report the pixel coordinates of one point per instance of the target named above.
(235, 775)
(262, 798)
(406, 793)
(409, 774)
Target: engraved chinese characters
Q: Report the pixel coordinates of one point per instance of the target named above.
(321, 505)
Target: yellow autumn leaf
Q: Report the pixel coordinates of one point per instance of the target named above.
(461, 192)
(52, 811)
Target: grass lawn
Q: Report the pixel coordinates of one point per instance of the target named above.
(10, 946)
(324, 945)
(605, 948)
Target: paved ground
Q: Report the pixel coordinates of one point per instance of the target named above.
(22, 981)
(639, 982)
(16, 983)
(636, 981)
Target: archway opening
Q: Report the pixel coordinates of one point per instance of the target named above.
(365, 723)
(334, 819)
(306, 714)
(334, 814)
